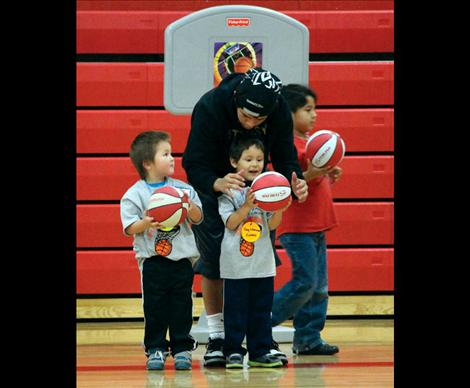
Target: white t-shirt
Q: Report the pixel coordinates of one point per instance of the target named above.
(175, 244)
(246, 252)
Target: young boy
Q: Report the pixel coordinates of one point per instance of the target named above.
(305, 296)
(166, 279)
(247, 263)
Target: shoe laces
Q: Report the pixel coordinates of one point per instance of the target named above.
(195, 345)
(235, 357)
(215, 344)
(270, 357)
(160, 355)
(185, 354)
(274, 345)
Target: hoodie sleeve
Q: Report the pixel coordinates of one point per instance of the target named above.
(200, 155)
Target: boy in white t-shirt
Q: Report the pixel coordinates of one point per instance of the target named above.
(247, 263)
(165, 257)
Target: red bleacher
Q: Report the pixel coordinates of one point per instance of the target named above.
(356, 98)
(112, 131)
(141, 84)
(362, 223)
(119, 32)
(194, 5)
(116, 272)
(107, 178)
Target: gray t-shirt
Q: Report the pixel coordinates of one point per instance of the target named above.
(175, 244)
(246, 252)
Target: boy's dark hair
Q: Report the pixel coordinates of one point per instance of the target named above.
(241, 143)
(296, 95)
(143, 148)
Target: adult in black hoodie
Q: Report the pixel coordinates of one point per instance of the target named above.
(242, 103)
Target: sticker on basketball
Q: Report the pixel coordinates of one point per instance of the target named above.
(168, 206)
(272, 191)
(325, 149)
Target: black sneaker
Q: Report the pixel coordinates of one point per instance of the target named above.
(214, 355)
(319, 350)
(275, 351)
(266, 361)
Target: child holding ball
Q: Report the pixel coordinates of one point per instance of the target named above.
(167, 278)
(247, 263)
(302, 234)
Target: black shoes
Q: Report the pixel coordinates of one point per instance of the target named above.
(319, 350)
(214, 355)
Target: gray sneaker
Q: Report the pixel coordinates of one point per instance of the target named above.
(156, 360)
(235, 360)
(266, 361)
(183, 360)
(275, 351)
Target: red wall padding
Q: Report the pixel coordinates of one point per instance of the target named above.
(364, 223)
(141, 84)
(104, 178)
(112, 131)
(116, 272)
(137, 32)
(193, 5)
(348, 96)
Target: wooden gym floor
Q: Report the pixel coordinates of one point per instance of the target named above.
(110, 355)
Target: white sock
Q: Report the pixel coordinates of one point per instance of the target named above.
(215, 322)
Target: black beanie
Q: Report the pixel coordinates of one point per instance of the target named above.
(258, 92)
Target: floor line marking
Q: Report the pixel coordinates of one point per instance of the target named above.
(197, 365)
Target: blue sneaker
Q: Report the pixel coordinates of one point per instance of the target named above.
(156, 360)
(183, 360)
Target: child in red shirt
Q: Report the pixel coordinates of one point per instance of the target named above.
(302, 234)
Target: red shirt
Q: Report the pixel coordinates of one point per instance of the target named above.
(317, 213)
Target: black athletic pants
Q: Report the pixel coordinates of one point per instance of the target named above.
(167, 296)
(247, 311)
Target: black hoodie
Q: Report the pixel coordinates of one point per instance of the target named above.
(213, 124)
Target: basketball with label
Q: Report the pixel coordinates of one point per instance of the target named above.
(325, 149)
(272, 191)
(168, 206)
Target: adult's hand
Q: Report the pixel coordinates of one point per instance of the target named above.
(299, 187)
(231, 181)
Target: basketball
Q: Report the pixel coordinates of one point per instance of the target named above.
(325, 148)
(243, 64)
(272, 191)
(168, 206)
(163, 247)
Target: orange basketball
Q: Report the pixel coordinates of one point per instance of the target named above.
(246, 248)
(243, 64)
(163, 247)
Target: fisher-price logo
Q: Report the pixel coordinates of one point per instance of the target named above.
(238, 22)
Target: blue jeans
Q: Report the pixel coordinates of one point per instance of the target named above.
(305, 296)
